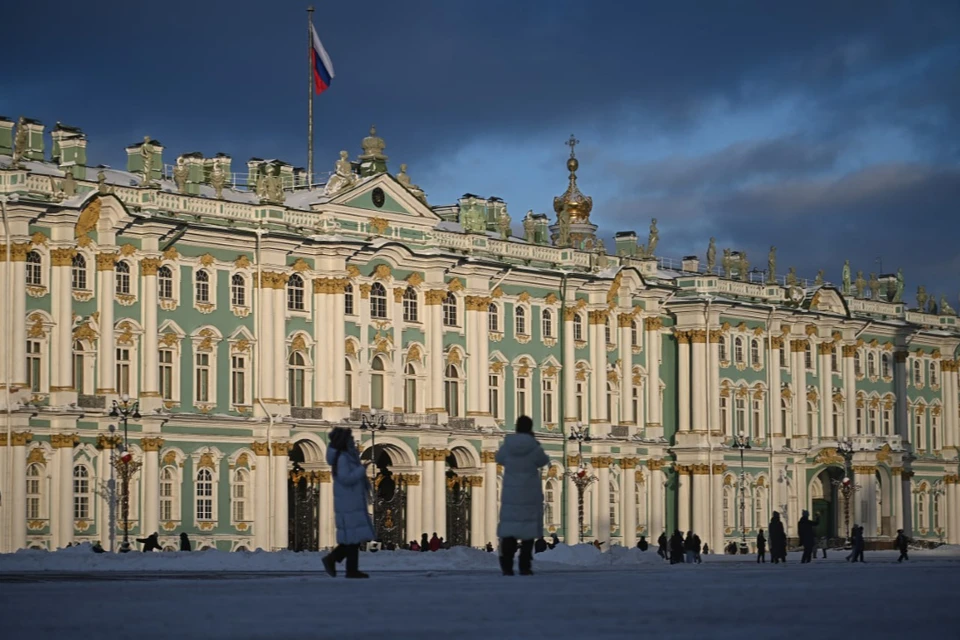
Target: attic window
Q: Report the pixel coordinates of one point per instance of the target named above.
(378, 197)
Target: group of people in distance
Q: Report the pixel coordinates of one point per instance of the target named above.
(521, 504)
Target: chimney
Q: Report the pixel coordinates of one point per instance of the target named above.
(626, 243)
(6, 136)
(34, 139)
(888, 286)
(135, 161)
(69, 148)
(194, 162)
(690, 264)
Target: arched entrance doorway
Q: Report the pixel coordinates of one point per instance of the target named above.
(458, 505)
(303, 496)
(827, 503)
(389, 499)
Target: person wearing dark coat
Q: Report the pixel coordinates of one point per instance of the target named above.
(414, 546)
(808, 540)
(424, 543)
(351, 489)
(151, 542)
(858, 544)
(676, 548)
(662, 546)
(901, 544)
(489, 547)
(435, 542)
(778, 539)
(554, 541)
(540, 545)
(643, 545)
(761, 547)
(185, 542)
(697, 546)
(98, 548)
(691, 547)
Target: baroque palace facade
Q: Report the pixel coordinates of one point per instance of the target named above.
(249, 313)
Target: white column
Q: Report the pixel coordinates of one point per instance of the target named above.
(598, 362)
(901, 417)
(655, 499)
(414, 508)
(476, 368)
(62, 338)
(19, 496)
(278, 297)
(426, 465)
(261, 497)
(713, 382)
(716, 518)
(338, 353)
(652, 337)
(150, 483)
(907, 510)
(799, 374)
(490, 515)
(440, 492)
(701, 498)
(826, 392)
(850, 392)
(628, 490)
(435, 359)
(323, 364)
(572, 525)
(280, 507)
(954, 509)
(896, 510)
(397, 352)
(328, 528)
(602, 466)
(62, 509)
(773, 362)
(684, 495)
(106, 348)
(865, 500)
(698, 344)
(570, 372)
(265, 339)
(105, 444)
(483, 357)
(683, 381)
(476, 512)
(149, 387)
(624, 321)
(18, 300)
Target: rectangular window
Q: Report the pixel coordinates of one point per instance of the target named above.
(166, 374)
(166, 499)
(918, 430)
(239, 502)
(579, 402)
(756, 419)
(521, 408)
(410, 395)
(741, 413)
(494, 385)
(348, 300)
(548, 401)
(33, 365)
(123, 371)
(81, 491)
(635, 406)
(77, 378)
(202, 377)
(239, 380)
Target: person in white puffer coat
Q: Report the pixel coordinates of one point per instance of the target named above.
(521, 504)
(350, 491)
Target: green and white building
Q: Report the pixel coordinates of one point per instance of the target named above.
(248, 313)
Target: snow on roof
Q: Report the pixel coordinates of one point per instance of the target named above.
(305, 198)
(455, 227)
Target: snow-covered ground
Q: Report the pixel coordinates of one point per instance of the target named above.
(576, 592)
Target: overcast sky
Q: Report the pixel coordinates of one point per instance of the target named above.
(828, 129)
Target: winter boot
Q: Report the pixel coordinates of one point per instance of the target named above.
(356, 574)
(506, 566)
(330, 565)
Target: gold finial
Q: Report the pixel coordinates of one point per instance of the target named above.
(577, 205)
(572, 164)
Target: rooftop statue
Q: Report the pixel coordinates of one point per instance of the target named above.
(180, 173)
(404, 179)
(653, 239)
(529, 228)
(504, 225)
(898, 292)
(874, 287)
(69, 184)
(792, 280)
(270, 185)
(563, 239)
(712, 255)
(819, 278)
(20, 143)
(727, 263)
(772, 266)
(945, 308)
(846, 278)
(146, 155)
(218, 178)
(861, 285)
(343, 176)
(744, 266)
(932, 305)
(102, 187)
(921, 298)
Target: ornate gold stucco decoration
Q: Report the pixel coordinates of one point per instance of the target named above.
(379, 225)
(88, 219)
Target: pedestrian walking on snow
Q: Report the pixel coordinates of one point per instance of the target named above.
(521, 502)
(761, 547)
(901, 543)
(351, 489)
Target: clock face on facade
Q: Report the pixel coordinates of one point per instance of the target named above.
(378, 197)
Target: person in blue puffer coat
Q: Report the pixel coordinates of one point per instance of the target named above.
(350, 491)
(521, 503)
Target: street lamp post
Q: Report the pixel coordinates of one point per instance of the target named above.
(125, 465)
(846, 486)
(581, 480)
(373, 423)
(743, 443)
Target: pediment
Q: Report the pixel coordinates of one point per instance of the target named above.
(398, 204)
(828, 300)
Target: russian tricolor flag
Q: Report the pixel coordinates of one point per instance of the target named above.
(322, 66)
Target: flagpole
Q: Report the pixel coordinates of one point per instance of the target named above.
(309, 97)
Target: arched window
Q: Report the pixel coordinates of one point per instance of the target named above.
(411, 312)
(450, 310)
(241, 496)
(918, 428)
(922, 498)
(936, 512)
(547, 322)
(78, 272)
(740, 416)
(76, 377)
(295, 293)
(738, 350)
(885, 365)
(755, 352)
(722, 348)
(378, 301)
(34, 269)
(35, 510)
(634, 334)
(611, 404)
(808, 356)
(520, 321)
(578, 328)
(348, 382)
(784, 415)
(203, 286)
(546, 396)
(493, 318)
(348, 300)
(887, 420)
(811, 419)
(917, 373)
(581, 409)
(551, 496)
(934, 432)
(165, 283)
(123, 366)
(81, 492)
(728, 521)
(122, 275)
(783, 355)
(757, 418)
(169, 495)
(376, 383)
(934, 377)
(238, 290)
(759, 507)
(204, 494)
(871, 364)
(410, 389)
(494, 391)
(521, 406)
(872, 419)
(451, 391)
(635, 404)
(165, 358)
(725, 413)
(859, 421)
(296, 379)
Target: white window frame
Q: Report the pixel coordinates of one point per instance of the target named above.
(238, 302)
(37, 367)
(82, 493)
(411, 305)
(123, 282)
(520, 325)
(297, 300)
(450, 310)
(379, 304)
(244, 372)
(495, 392)
(175, 485)
(521, 395)
(453, 390)
(546, 323)
(40, 496)
(241, 481)
(548, 403)
(35, 271)
(80, 275)
(349, 300)
(494, 321)
(203, 496)
(578, 327)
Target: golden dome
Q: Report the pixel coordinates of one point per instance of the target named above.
(577, 205)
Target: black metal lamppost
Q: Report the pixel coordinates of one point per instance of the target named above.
(125, 464)
(743, 443)
(581, 480)
(373, 423)
(846, 486)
